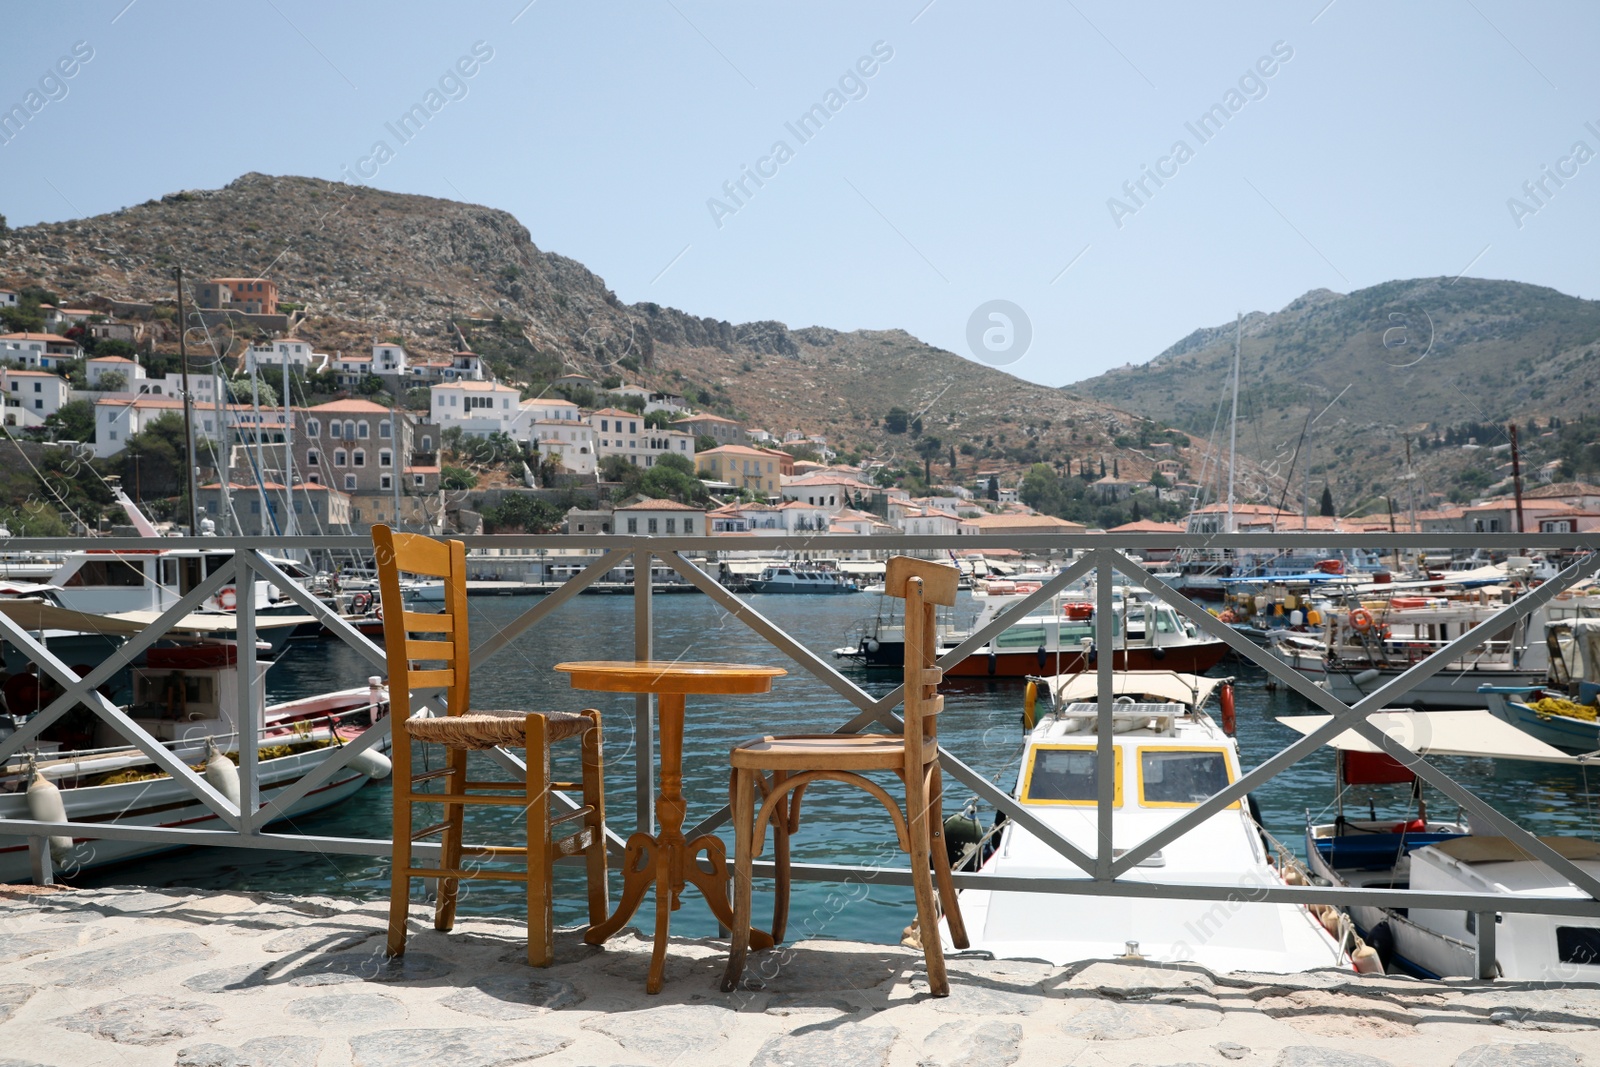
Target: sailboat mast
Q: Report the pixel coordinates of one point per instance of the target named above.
(261, 469)
(188, 411)
(288, 455)
(225, 466)
(1233, 429)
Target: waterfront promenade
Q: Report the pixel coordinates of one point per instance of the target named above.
(181, 978)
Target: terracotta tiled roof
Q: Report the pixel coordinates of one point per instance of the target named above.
(659, 505)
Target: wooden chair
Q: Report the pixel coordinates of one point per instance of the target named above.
(463, 730)
(771, 773)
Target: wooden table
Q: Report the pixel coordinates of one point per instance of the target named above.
(668, 860)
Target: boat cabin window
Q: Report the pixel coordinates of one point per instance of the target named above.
(1067, 774)
(1181, 776)
(1578, 944)
(121, 572)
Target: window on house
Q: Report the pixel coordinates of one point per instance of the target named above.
(633, 526)
(688, 526)
(314, 479)
(339, 457)
(313, 428)
(358, 458)
(427, 444)
(650, 526)
(385, 458)
(312, 459)
(386, 481)
(334, 430)
(350, 481)
(361, 429)
(672, 526)
(416, 479)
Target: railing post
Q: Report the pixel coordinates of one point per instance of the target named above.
(1105, 756)
(643, 737)
(1486, 922)
(249, 716)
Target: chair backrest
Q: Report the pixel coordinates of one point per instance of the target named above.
(924, 586)
(414, 554)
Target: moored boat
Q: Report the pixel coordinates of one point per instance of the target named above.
(800, 578)
(1169, 755)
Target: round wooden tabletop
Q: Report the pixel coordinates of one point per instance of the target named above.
(669, 676)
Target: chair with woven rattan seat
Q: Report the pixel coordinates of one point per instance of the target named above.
(770, 774)
(463, 730)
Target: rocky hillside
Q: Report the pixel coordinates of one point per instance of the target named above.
(366, 264)
(1404, 360)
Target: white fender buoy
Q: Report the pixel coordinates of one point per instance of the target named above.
(371, 762)
(221, 773)
(45, 805)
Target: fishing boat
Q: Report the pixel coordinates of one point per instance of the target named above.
(1407, 847)
(186, 696)
(1147, 634)
(1375, 639)
(796, 578)
(1561, 712)
(1168, 756)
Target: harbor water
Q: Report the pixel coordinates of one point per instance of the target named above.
(981, 724)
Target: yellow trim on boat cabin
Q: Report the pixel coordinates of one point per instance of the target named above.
(1116, 789)
(1176, 750)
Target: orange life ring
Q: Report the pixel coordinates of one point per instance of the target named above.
(228, 598)
(1230, 718)
(1361, 620)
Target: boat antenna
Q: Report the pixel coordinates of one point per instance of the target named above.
(1233, 430)
(188, 409)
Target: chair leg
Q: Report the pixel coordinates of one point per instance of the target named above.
(744, 817)
(922, 882)
(541, 912)
(400, 828)
(594, 796)
(444, 912)
(780, 857)
(948, 901)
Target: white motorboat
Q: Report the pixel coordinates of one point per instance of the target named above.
(1409, 848)
(187, 697)
(1169, 756)
(797, 578)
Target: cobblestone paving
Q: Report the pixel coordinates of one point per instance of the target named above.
(135, 977)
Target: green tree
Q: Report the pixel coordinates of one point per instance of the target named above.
(74, 422)
(418, 399)
(618, 469)
(658, 420)
(457, 478)
(113, 381)
(525, 512)
(1041, 490)
(244, 391)
(154, 458)
(705, 443)
(896, 421)
(1327, 502)
(672, 478)
(372, 385)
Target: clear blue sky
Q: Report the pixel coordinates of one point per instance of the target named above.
(976, 163)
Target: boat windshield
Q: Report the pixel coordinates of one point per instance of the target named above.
(1169, 776)
(1067, 774)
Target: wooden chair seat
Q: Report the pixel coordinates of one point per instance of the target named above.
(845, 752)
(479, 730)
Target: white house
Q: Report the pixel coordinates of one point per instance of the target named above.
(350, 370)
(8, 299)
(549, 409)
(623, 433)
(659, 518)
(117, 419)
(801, 517)
(132, 373)
(273, 354)
(32, 395)
(570, 441)
(668, 402)
(388, 359)
(203, 387)
(832, 493)
(477, 408)
(458, 367)
(38, 351)
(916, 521)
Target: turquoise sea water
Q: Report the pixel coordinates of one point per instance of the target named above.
(981, 724)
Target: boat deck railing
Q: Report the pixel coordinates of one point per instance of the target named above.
(1102, 557)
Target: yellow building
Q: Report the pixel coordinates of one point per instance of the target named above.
(749, 468)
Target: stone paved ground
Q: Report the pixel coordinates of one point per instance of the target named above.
(132, 977)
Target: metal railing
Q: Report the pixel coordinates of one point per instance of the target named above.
(1100, 555)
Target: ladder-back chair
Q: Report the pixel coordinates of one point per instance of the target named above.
(771, 773)
(463, 730)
